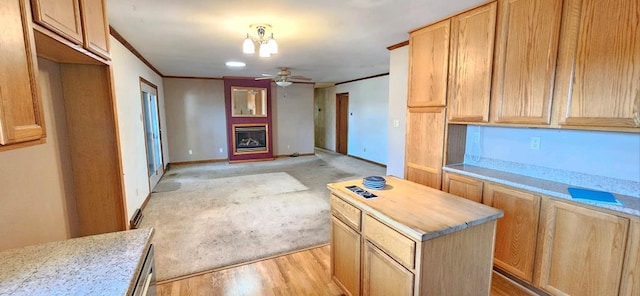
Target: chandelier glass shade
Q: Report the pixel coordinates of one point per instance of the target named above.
(266, 45)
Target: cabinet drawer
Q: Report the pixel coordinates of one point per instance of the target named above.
(395, 244)
(347, 213)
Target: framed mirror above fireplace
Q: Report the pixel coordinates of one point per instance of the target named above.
(248, 101)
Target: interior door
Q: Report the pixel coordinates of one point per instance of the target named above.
(342, 123)
(153, 140)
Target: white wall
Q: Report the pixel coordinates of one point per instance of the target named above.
(127, 70)
(398, 77)
(36, 201)
(325, 117)
(196, 119)
(368, 105)
(293, 119)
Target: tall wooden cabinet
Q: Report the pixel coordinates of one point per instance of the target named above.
(425, 145)
(21, 118)
(472, 40)
(429, 65)
(525, 61)
(597, 80)
(582, 250)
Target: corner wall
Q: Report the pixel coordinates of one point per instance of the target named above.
(293, 113)
(37, 201)
(398, 77)
(127, 70)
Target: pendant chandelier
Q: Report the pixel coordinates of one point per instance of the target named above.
(266, 46)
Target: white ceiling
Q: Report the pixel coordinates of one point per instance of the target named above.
(328, 41)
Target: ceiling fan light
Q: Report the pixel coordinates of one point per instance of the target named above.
(273, 45)
(248, 46)
(283, 83)
(264, 50)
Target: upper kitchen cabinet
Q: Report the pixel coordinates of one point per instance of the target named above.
(525, 60)
(61, 16)
(21, 118)
(96, 27)
(425, 145)
(598, 75)
(82, 22)
(429, 65)
(472, 40)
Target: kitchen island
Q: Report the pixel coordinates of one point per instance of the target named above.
(410, 240)
(106, 264)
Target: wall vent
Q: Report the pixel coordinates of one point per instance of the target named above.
(137, 218)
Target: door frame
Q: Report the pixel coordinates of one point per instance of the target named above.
(339, 119)
(153, 86)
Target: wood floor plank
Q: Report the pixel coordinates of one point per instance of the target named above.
(303, 273)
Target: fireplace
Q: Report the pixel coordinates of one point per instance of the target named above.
(250, 138)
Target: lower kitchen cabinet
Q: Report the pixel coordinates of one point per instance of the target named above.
(517, 231)
(345, 257)
(410, 240)
(383, 275)
(582, 250)
(466, 187)
(557, 246)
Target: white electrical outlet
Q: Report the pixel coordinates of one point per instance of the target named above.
(535, 143)
(221, 150)
(288, 147)
(190, 152)
(396, 123)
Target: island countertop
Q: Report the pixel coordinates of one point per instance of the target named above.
(422, 212)
(105, 264)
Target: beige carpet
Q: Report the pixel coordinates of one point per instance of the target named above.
(226, 214)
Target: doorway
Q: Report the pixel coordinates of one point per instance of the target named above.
(153, 138)
(342, 123)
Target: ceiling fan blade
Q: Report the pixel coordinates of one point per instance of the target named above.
(263, 78)
(267, 75)
(299, 77)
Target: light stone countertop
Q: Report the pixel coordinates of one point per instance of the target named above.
(105, 264)
(630, 204)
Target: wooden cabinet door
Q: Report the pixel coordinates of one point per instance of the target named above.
(525, 60)
(582, 250)
(21, 117)
(384, 276)
(60, 16)
(465, 187)
(598, 76)
(424, 145)
(429, 65)
(96, 27)
(517, 231)
(472, 39)
(345, 257)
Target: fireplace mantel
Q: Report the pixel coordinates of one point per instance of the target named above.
(251, 144)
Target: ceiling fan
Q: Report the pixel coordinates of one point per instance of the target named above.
(284, 78)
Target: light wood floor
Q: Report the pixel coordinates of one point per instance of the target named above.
(301, 273)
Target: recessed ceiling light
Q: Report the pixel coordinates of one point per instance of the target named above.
(235, 64)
